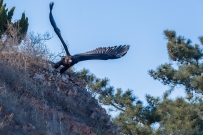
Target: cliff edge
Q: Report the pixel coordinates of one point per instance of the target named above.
(36, 100)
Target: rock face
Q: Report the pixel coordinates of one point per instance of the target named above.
(39, 101)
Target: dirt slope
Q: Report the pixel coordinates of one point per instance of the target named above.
(37, 100)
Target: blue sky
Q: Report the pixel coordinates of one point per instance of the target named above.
(88, 24)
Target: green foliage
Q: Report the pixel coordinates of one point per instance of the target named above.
(187, 67)
(22, 24)
(179, 117)
(201, 39)
(134, 117)
(175, 117)
(137, 119)
(181, 50)
(6, 17)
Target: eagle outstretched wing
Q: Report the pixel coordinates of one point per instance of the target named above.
(56, 29)
(102, 53)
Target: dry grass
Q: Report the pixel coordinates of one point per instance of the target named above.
(19, 96)
(48, 105)
(22, 100)
(32, 50)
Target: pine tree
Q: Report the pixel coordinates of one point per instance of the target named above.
(6, 17)
(180, 117)
(134, 117)
(185, 68)
(176, 117)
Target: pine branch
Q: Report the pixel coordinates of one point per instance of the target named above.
(117, 107)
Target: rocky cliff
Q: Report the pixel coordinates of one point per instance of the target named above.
(36, 100)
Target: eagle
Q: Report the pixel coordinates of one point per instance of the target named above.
(101, 53)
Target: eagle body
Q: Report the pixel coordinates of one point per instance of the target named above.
(101, 53)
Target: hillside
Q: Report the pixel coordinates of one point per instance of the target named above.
(36, 100)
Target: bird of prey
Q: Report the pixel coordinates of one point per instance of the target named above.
(102, 53)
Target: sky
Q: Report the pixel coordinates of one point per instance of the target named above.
(88, 24)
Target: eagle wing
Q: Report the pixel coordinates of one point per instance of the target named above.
(56, 29)
(102, 53)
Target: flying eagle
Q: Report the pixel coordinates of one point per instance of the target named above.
(102, 53)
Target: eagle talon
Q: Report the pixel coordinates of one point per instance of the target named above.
(58, 64)
(63, 69)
